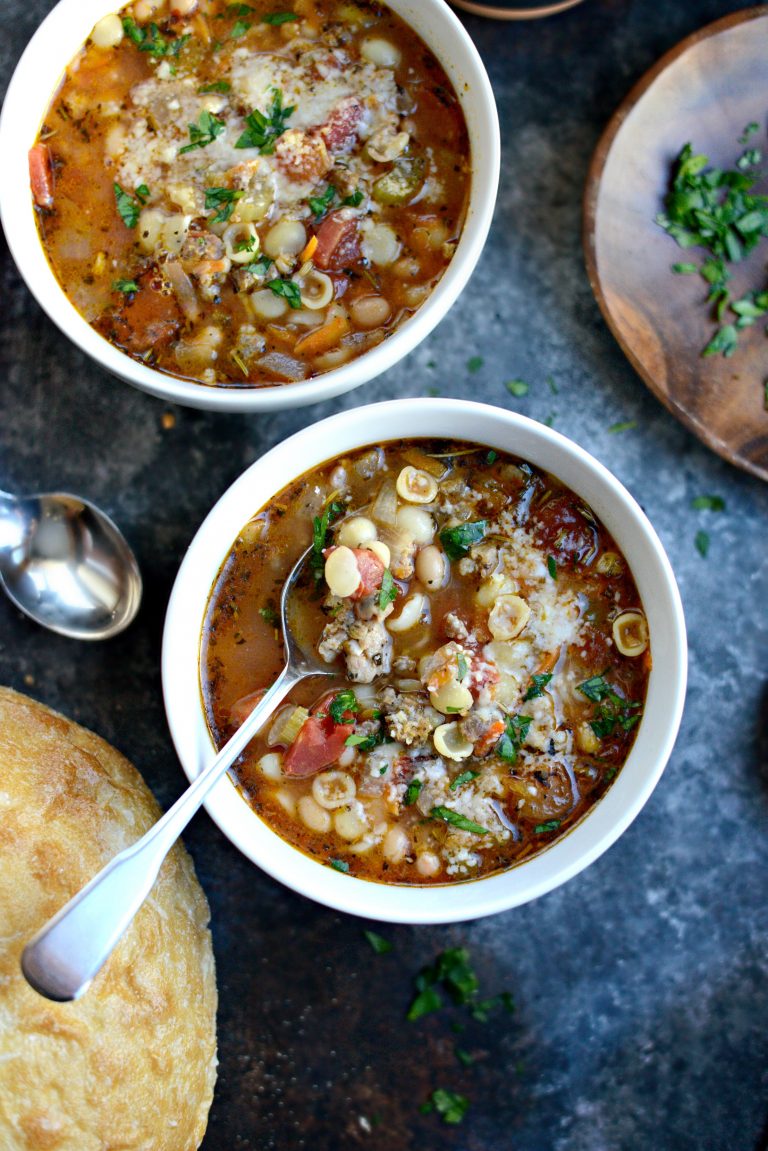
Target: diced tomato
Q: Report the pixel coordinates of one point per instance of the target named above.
(338, 244)
(41, 175)
(483, 674)
(242, 708)
(371, 571)
(340, 128)
(319, 743)
(489, 738)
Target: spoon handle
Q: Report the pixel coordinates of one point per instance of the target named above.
(62, 959)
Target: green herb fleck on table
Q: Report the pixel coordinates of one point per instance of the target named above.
(550, 419)
(379, 944)
(475, 363)
(449, 1105)
(207, 129)
(708, 503)
(622, 426)
(464, 1057)
(262, 132)
(517, 387)
(702, 542)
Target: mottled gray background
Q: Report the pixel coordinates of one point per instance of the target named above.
(641, 985)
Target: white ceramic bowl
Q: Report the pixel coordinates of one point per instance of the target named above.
(506, 431)
(32, 87)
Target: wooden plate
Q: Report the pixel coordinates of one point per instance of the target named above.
(706, 90)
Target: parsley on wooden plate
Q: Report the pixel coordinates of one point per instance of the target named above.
(379, 944)
(449, 1105)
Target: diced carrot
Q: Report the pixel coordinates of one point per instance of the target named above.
(281, 336)
(323, 339)
(490, 738)
(41, 175)
(309, 251)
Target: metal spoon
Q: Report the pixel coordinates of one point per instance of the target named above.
(66, 954)
(64, 563)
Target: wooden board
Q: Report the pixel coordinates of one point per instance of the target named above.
(706, 90)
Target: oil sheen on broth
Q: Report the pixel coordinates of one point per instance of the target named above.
(251, 195)
(492, 652)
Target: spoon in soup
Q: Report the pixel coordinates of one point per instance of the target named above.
(65, 955)
(66, 565)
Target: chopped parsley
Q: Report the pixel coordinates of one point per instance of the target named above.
(217, 86)
(412, 792)
(517, 387)
(249, 245)
(269, 613)
(320, 526)
(262, 131)
(491, 457)
(456, 819)
(129, 209)
(149, 39)
(475, 363)
(379, 944)
(462, 667)
(611, 709)
(714, 209)
(708, 503)
(464, 777)
(239, 29)
(482, 1009)
(449, 1105)
(354, 199)
(457, 541)
(142, 193)
(359, 740)
(224, 199)
(387, 591)
(204, 132)
(702, 542)
(537, 685)
(288, 289)
(259, 267)
(452, 970)
(622, 426)
(125, 286)
(515, 731)
(319, 205)
(340, 865)
(550, 825)
(278, 18)
(552, 566)
(345, 701)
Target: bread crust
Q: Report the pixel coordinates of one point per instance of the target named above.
(131, 1066)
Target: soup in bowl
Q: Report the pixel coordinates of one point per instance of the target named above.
(247, 207)
(509, 649)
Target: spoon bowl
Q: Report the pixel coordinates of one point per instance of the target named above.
(66, 565)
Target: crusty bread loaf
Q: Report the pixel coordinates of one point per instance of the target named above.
(132, 1064)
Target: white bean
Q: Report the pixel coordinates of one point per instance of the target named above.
(416, 523)
(431, 566)
(349, 824)
(341, 572)
(144, 10)
(355, 532)
(285, 238)
(369, 311)
(286, 801)
(271, 765)
(332, 789)
(383, 53)
(174, 233)
(380, 549)
(266, 305)
(396, 844)
(427, 863)
(313, 816)
(411, 613)
(381, 245)
(151, 225)
(183, 7)
(108, 32)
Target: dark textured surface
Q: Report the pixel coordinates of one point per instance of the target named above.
(641, 985)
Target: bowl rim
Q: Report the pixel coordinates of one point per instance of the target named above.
(59, 37)
(495, 428)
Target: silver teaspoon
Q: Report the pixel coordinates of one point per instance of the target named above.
(65, 564)
(62, 959)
